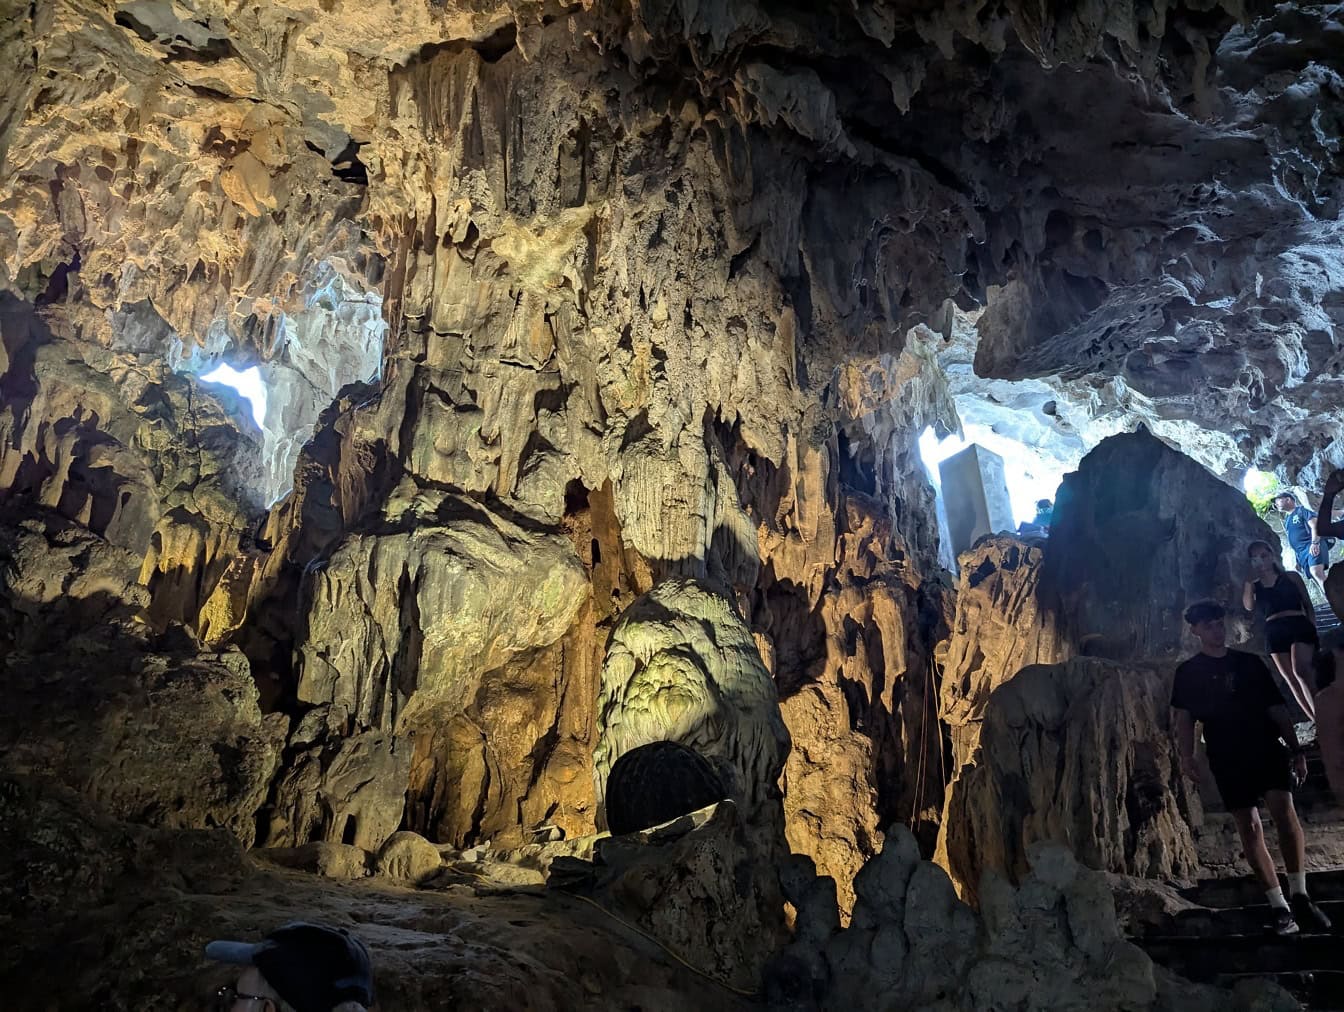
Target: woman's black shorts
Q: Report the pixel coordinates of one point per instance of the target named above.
(1282, 633)
(1244, 777)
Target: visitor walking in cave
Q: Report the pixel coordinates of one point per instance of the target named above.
(1245, 724)
(1290, 621)
(303, 967)
(1328, 527)
(1311, 551)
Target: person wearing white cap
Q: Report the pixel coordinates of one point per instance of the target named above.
(297, 968)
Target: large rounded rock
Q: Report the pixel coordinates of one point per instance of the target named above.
(408, 857)
(1140, 532)
(656, 783)
(682, 666)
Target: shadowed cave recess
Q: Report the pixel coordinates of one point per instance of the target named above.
(598, 362)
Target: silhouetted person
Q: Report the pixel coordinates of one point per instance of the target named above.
(1306, 544)
(1330, 708)
(1290, 620)
(303, 967)
(1232, 694)
(1045, 512)
(1039, 527)
(1328, 527)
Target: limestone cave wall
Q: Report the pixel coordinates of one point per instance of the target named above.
(562, 300)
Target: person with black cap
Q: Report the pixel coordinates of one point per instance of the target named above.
(297, 968)
(1232, 694)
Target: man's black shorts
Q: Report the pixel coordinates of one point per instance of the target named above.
(1282, 633)
(1244, 778)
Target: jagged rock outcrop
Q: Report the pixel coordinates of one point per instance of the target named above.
(646, 273)
(99, 703)
(1052, 943)
(1050, 744)
(339, 784)
(407, 612)
(1082, 754)
(1001, 626)
(699, 886)
(1140, 531)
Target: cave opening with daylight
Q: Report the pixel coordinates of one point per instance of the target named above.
(247, 383)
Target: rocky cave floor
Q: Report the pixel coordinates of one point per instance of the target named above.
(128, 910)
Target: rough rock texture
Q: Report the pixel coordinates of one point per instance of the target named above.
(646, 273)
(681, 666)
(339, 785)
(1052, 943)
(1048, 743)
(408, 607)
(1141, 531)
(1001, 625)
(118, 915)
(698, 885)
(150, 729)
(408, 857)
(1082, 754)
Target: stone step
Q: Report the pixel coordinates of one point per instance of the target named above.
(1208, 923)
(1316, 989)
(1259, 954)
(1225, 893)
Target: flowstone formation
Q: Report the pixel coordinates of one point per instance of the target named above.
(681, 666)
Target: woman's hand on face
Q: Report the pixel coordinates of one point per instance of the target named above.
(1335, 483)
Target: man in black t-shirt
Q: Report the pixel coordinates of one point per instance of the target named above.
(1232, 694)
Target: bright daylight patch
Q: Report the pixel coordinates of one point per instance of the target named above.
(248, 383)
(1029, 476)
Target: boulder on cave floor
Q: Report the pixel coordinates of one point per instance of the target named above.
(408, 857)
(1140, 531)
(330, 860)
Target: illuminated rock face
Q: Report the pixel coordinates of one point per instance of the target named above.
(646, 274)
(682, 666)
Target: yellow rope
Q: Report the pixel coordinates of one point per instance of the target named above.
(671, 952)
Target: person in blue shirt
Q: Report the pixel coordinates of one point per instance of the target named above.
(1306, 544)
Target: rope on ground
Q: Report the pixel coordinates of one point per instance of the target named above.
(669, 950)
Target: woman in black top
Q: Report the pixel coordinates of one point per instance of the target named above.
(1290, 621)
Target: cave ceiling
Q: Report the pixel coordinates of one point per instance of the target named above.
(1138, 203)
